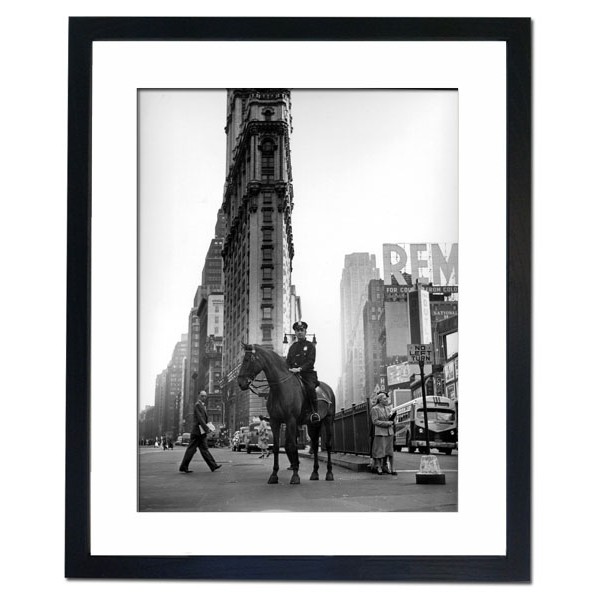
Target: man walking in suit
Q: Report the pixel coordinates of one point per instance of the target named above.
(198, 438)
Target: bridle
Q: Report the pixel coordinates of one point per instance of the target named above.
(263, 383)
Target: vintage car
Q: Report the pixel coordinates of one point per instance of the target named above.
(183, 440)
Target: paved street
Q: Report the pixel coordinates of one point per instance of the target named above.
(241, 485)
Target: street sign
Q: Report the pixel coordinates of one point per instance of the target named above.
(420, 353)
(425, 317)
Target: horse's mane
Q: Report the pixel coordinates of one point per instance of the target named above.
(278, 360)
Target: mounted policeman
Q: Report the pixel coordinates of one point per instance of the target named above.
(301, 360)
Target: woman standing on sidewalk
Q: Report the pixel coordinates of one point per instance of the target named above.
(383, 440)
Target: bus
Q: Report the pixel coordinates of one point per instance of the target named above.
(410, 425)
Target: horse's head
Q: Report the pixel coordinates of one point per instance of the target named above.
(251, 366)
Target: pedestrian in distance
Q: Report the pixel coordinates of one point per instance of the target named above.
(198, 437)
(263, 437)
(268, 420)
(383, 439)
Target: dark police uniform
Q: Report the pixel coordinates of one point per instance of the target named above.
(302, 354)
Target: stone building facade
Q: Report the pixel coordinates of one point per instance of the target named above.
(258, 248)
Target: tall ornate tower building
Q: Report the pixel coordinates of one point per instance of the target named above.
(258, 247)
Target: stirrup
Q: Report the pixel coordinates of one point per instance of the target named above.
(314, 417)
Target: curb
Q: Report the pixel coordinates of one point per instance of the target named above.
(347, 461)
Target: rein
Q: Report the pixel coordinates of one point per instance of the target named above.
(267, 384)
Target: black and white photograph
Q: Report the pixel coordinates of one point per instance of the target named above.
(231, 237)
(298, 298)
(275, 295)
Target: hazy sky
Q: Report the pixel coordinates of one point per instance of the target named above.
(369, 167)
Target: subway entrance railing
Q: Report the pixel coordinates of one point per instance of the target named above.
(351, 428)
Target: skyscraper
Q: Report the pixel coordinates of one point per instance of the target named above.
(372, 326)
(211, 282)
(171, 395)
(359, 269)
(258, 247)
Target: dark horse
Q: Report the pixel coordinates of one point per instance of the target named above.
(286, 405)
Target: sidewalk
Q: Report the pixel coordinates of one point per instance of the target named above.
(403, 461)
(358, 463)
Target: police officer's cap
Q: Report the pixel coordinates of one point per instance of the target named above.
(299, 325)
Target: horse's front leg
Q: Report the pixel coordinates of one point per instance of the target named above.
(328, 445)
(275, 429)
(291, 449)
(313, 432)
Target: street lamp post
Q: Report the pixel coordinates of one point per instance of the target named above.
(293, 336)
(421, 354)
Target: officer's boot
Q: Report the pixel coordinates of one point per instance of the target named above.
(314, 417)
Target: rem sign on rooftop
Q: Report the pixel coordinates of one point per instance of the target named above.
(438, 263)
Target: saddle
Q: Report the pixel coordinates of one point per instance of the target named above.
(323, 403)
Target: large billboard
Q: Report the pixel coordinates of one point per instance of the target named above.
(397, 374)
(441, 311)
(438, 263)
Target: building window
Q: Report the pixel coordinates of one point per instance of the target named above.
(267, 273)
(267, 293)
(267, 235)
(268, 161)
(268, 254)
(267, 334)
(268, 216)
(267, 313)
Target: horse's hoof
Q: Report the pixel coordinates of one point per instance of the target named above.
(295, 479)
(329, 476)
(314, 476)
(273, 479)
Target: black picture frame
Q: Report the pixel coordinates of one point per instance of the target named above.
(515, 565)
